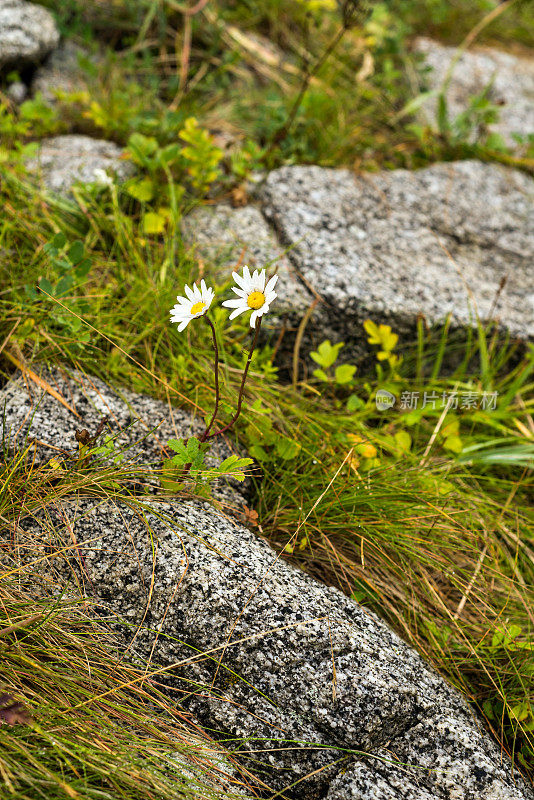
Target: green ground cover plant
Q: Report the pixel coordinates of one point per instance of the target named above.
(424, 516)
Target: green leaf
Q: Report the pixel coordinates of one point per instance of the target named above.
(287, 448)
(514, 631)
(321, 375)
(64, 286)
(497, 638)
(58, 242)
(521, 711)
(259, 453)
(82, 269)
(46, 286)
(191, 452)
(141, 189)
(234, 466)
(326, 354)
(354, 403)
(344, 373)
(142, 148)
(75, 252)
(170, 154)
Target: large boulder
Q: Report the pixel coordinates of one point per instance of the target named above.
(229, 237)
(45, 416)
(450, 238)
(60, 73)
(510, 78)
(293, 675)
(28, 33)
(63, 161)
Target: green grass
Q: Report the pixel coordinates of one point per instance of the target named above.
(156, 71)
(99, 727)
(426, 520)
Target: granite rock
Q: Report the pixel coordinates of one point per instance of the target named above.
(28, 33)
(300, 676)
(362, 781)
(511, 78)
(17, 92)
(60, 73)
(139, 425)
(445, 757)
(394, 245)
(227, 236)
(63, 161)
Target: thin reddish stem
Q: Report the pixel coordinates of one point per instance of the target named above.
(242, 387)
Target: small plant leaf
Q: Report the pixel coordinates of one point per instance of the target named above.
(321, 375)
(344, 373)
(327, 353)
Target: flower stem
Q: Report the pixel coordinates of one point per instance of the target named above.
(242, 387)
(205, 435)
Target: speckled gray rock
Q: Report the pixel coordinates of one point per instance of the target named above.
(394, 245)
(445, 757)
(139, 425)
(227, 236)
(63, 161)
(299, 673)
(364, 782)
(511, 78)
(28, 33)
(60, 73)
(17, 92)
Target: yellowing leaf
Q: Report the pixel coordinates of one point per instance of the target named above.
(366, 450)
(382, 335)
(453, 443)
(387, 338)
(403, 441)
(154, 223)
(451, 428)
(142, 190)
(372, 330)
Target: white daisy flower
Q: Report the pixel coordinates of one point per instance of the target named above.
(253, 294)
(194, 305)
(101, 177)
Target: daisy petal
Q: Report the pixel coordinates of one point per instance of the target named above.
(239, 280)
(236, 313)
(234, 303)
(271, 284)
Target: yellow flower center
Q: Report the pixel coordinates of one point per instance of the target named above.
(197, 308)
(255, 300)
